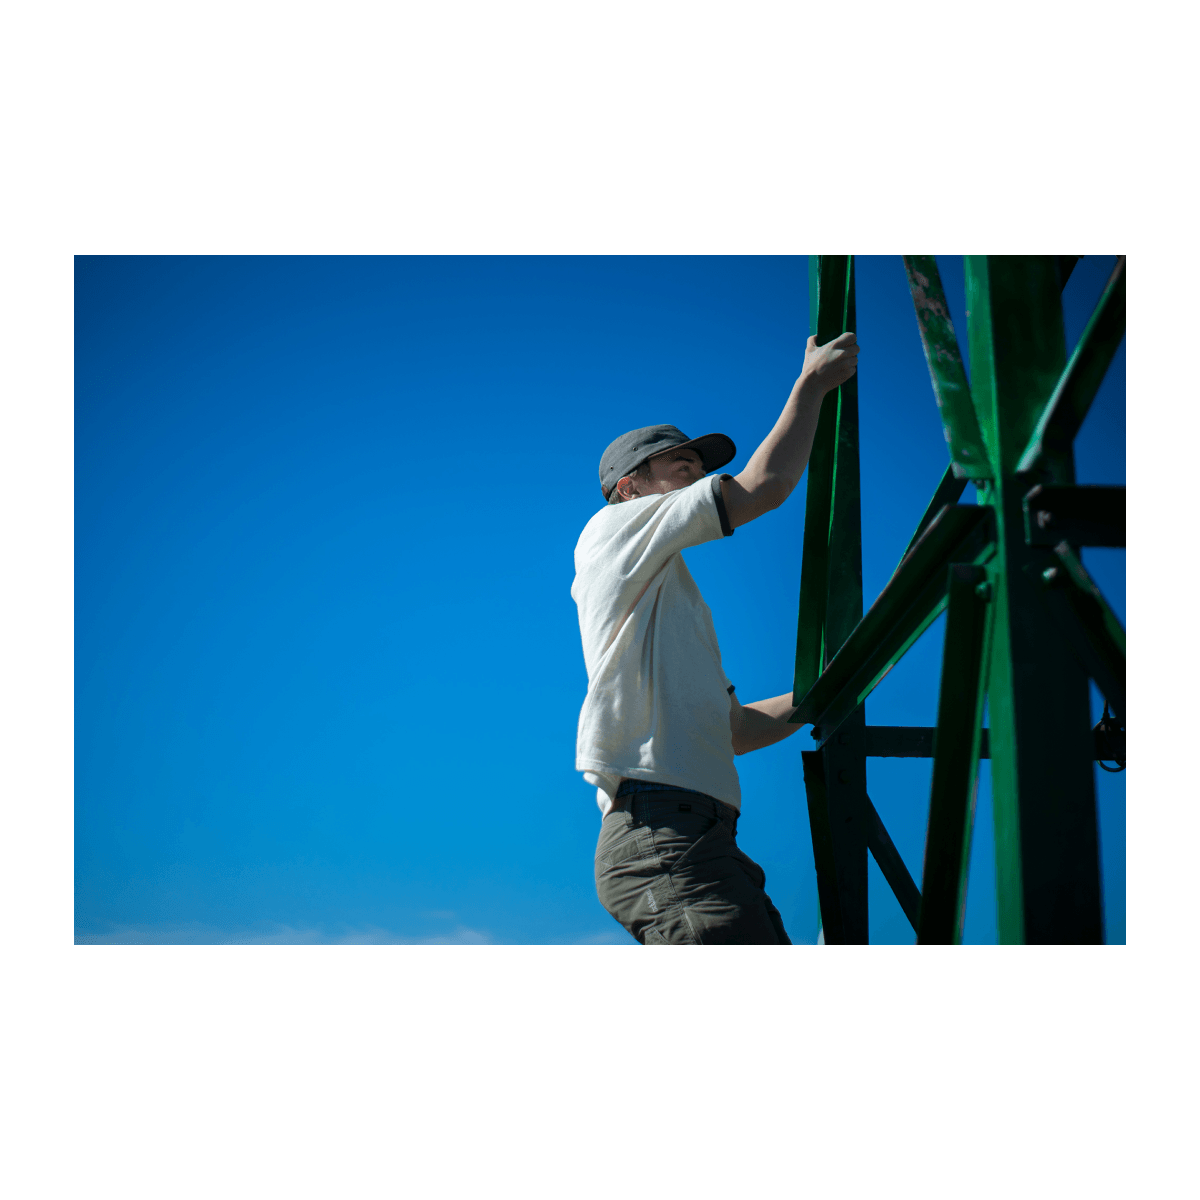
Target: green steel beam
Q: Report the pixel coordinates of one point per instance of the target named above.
(830, 608)
(1066, 264)
(916, 741)
(1088, 623)
(956, 753)
(968, 455)
(906, 607)
(827, 294)
(1049, 627)
(814, 567)
(1049, 448)
(892, 865)
(819, 826)
(1089, 514)
(844, 606)
(846, 759)
(845, 775)
(1017, 366)
(1044, 807)
(947, 492)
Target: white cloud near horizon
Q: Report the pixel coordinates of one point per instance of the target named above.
(195, 933)
(606, 937)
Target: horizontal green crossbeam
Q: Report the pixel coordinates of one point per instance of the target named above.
(1089, 514)
(968, 456)
(916, 741)
(1072, 397)
(906, 607)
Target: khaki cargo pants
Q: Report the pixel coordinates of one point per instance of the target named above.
(668, 868)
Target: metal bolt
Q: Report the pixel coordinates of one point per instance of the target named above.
(1050, 576)
(984, 591)
(843, 776)
(1044, 518)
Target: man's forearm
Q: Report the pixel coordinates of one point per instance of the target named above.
(777, 465)
(761, 723)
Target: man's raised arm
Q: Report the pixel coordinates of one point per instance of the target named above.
(776, 466)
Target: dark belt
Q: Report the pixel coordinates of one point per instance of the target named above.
(629, 786)
(631, 789)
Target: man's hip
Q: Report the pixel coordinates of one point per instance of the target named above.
(668, 868)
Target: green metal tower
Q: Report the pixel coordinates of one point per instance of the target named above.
(1025, 626)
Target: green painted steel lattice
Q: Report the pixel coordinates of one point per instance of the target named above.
(1025, 629)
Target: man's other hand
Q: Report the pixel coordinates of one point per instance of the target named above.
(760, 723)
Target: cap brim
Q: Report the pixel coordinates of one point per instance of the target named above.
(715, 450)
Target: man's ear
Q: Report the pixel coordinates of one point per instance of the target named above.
(625, 488)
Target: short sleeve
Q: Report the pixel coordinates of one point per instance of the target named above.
(719, 497)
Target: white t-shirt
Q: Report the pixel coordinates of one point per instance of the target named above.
(657, 703)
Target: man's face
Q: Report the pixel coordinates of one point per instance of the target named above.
(669, 471)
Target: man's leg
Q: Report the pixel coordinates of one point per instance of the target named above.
(670, 871)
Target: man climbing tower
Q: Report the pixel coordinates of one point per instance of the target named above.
(660, 724)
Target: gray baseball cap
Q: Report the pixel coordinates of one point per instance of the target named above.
(631, 449)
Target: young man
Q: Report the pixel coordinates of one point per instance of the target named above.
(661, 724)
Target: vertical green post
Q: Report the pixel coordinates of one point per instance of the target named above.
(830, 607)
(1047, 862)
(826, 291)
(844, 603)
(955, 757)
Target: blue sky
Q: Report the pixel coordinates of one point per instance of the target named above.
(327, 664)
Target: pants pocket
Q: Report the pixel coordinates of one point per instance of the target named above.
(620, 840)
(715, 842)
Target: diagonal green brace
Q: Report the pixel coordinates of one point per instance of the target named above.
(1087, 623)
(888, 859)
(968, 455)
(956, 753)
(1050, 446)
(947, 492)
(912, 600)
